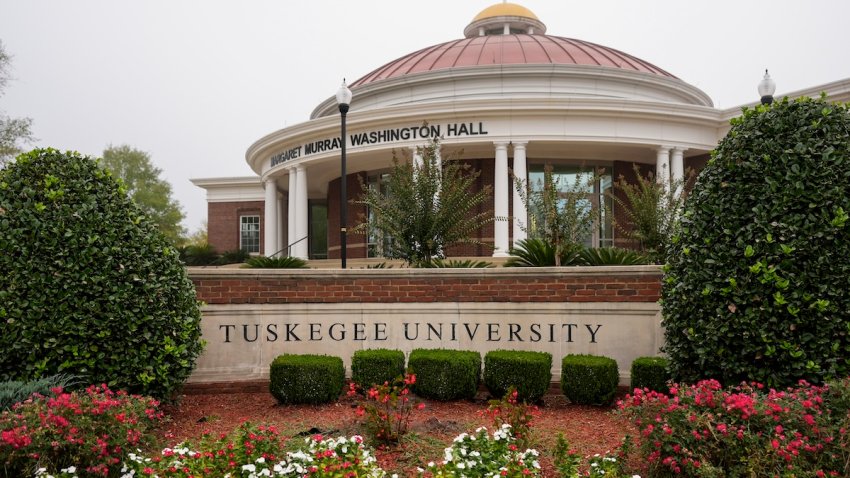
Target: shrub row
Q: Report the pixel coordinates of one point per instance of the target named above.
(455, 374)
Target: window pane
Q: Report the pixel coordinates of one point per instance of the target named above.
(249, 234)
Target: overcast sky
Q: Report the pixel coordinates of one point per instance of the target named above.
(194, 83)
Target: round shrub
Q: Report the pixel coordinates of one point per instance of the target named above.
(445, 374)
(758, 285)
(528, 372)
(651, 373)
(89, 286)
(589, 379)
(376, 366)
(306, 378)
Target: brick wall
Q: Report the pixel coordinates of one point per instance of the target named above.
(573, 284)
(223, 223)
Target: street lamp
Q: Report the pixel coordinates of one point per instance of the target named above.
(343, 99)
(766, 89)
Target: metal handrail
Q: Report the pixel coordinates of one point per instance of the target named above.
(288, 248)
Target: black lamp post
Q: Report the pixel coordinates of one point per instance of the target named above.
(766, 89)
(343, 99)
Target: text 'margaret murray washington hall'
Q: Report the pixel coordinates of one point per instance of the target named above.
(512, 98)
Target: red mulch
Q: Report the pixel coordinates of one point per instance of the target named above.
(589, 430)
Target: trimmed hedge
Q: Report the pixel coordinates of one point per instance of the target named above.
(756, 287)
(589, 379)
(529, 372)
(445, 374)
(306, 378)
(651, 373)
(89, 286)
(376, 366)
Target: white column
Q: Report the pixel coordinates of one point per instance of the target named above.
(281, 234)
(271, 218)
(301, 249)
(677, 168)
(662, 166)
(520, 209)
(500, 201)
(290, 210)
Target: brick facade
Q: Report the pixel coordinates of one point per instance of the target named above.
(223, 223)
(573, 284)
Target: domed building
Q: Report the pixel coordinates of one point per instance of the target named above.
(512, 98)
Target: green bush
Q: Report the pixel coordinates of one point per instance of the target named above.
(306, 378)
(89, 286)
(12, 392)
(611, 256)
(453, 264)
(528, 372)
(651, 373)
(199, 255)
(262, 262)
(589, 379)
(445, 374)
(376, 366)
(756, 288)
(533, 252)
(236, 256)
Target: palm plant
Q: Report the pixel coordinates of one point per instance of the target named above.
(262, 262)
(535, 252)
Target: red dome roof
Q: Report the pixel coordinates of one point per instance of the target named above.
(516, 49)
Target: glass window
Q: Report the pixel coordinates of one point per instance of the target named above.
(596, 184)
(376, 242)
(318, 230)
(249, 234)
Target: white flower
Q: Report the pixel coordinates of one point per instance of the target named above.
(431, 464)
(261, 460)
(70, 469)
(249, 467)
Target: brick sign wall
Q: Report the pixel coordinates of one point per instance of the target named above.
(251, 316)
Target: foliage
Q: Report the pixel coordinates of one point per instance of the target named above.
(756, 287)
(236, 256)
(651, 210)
(566, 461)
(89, 286)
(376, 366)
(254, 451)
(445, 374)
(526, 372)
(12, 130)
(13, 391)
(91, 431)
(198, 255)
(306, 378)
(146, 188)
(279, 262)
(388, 408)
(589, 379)
(560, 216)
(454, 264)
(611, 256)
(482, 455)
(511, 411)
(535, 252)
(747, 430)
(650, 373)
(426, 209)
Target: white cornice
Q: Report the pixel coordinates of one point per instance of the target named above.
(835, 91)
(615, 109)
(541, 80)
